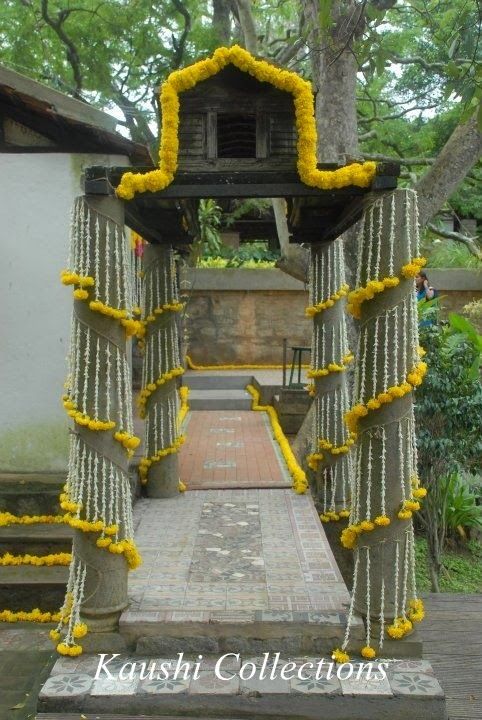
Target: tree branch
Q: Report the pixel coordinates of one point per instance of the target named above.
(403, 161)
(71, 50)
(471, 243)
(456, 159)
(248, 27)
(180, 44)
(417, 60)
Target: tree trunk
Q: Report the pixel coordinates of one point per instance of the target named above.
(458, 156)
(222, 21)
(334, 72)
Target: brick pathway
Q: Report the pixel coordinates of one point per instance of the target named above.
(231, 449)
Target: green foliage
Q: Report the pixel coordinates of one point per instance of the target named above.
(462, 508)
(256, 207)
(221, 263)
(209, 217)
(449, 401)
(462, 568)
(450, 254)
(254, 255)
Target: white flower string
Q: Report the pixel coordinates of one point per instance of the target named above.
(96, 496)
(161, 362)
(387, 369)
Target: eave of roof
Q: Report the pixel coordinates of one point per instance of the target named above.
(43, 108)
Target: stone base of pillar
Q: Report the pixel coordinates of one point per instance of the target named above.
(104, 642)
(163, 479)
(410, 646)
(105, 595)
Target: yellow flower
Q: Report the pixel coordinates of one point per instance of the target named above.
(382, 520)
(420, 492)
(368, 652)
(340, 656)
(80, 630)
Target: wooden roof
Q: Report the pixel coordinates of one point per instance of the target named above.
(64, 123)
(314, 215)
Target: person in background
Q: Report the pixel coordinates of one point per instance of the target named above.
(423, 289)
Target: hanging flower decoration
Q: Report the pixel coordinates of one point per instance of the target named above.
(358, 174)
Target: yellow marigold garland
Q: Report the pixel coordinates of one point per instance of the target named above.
(359, 174)
(328, 303)
(193, 366)
(63, 558)
(414, 378)
(146, 392)
(184, 409)
(357, 297)
(332, 367)
(146, 463)
(7, 518)
(300, 483)
(34, 615)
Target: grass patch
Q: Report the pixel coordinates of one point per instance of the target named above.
(462, 568)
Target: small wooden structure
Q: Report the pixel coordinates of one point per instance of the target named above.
(238, 139)
(233, 122)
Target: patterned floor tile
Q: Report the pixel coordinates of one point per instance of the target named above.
(415, 684)
(209, 684)
(68, 685)
(115, 686)
(363, 685)
(310, 683)
(162, 685)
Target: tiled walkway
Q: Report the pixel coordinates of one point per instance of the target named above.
(231, 449)
(211, 552)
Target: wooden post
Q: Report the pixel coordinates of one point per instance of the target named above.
(331, 442)
(159, 397)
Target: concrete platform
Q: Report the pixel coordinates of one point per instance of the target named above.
(240, 687)
(220, 399)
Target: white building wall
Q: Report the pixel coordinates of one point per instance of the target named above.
(36, 195)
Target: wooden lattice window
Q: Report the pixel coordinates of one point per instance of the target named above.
(236, 135)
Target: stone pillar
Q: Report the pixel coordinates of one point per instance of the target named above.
(99, 400)
(330, 457)
(388, 368)
(159, 397)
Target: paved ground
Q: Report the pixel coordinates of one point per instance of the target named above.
(231, 449)
(451, 633)
(26, 657)
(243, 550)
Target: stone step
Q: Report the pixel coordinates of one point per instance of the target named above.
(41, 539)
(30, 493)
(240, 687)
(291, 407)
(207, 381)
(221, 399)
(25, 587)
(163, 634)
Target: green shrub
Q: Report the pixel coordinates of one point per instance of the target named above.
(448, 410)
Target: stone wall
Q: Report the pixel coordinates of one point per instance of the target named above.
(241, 316)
